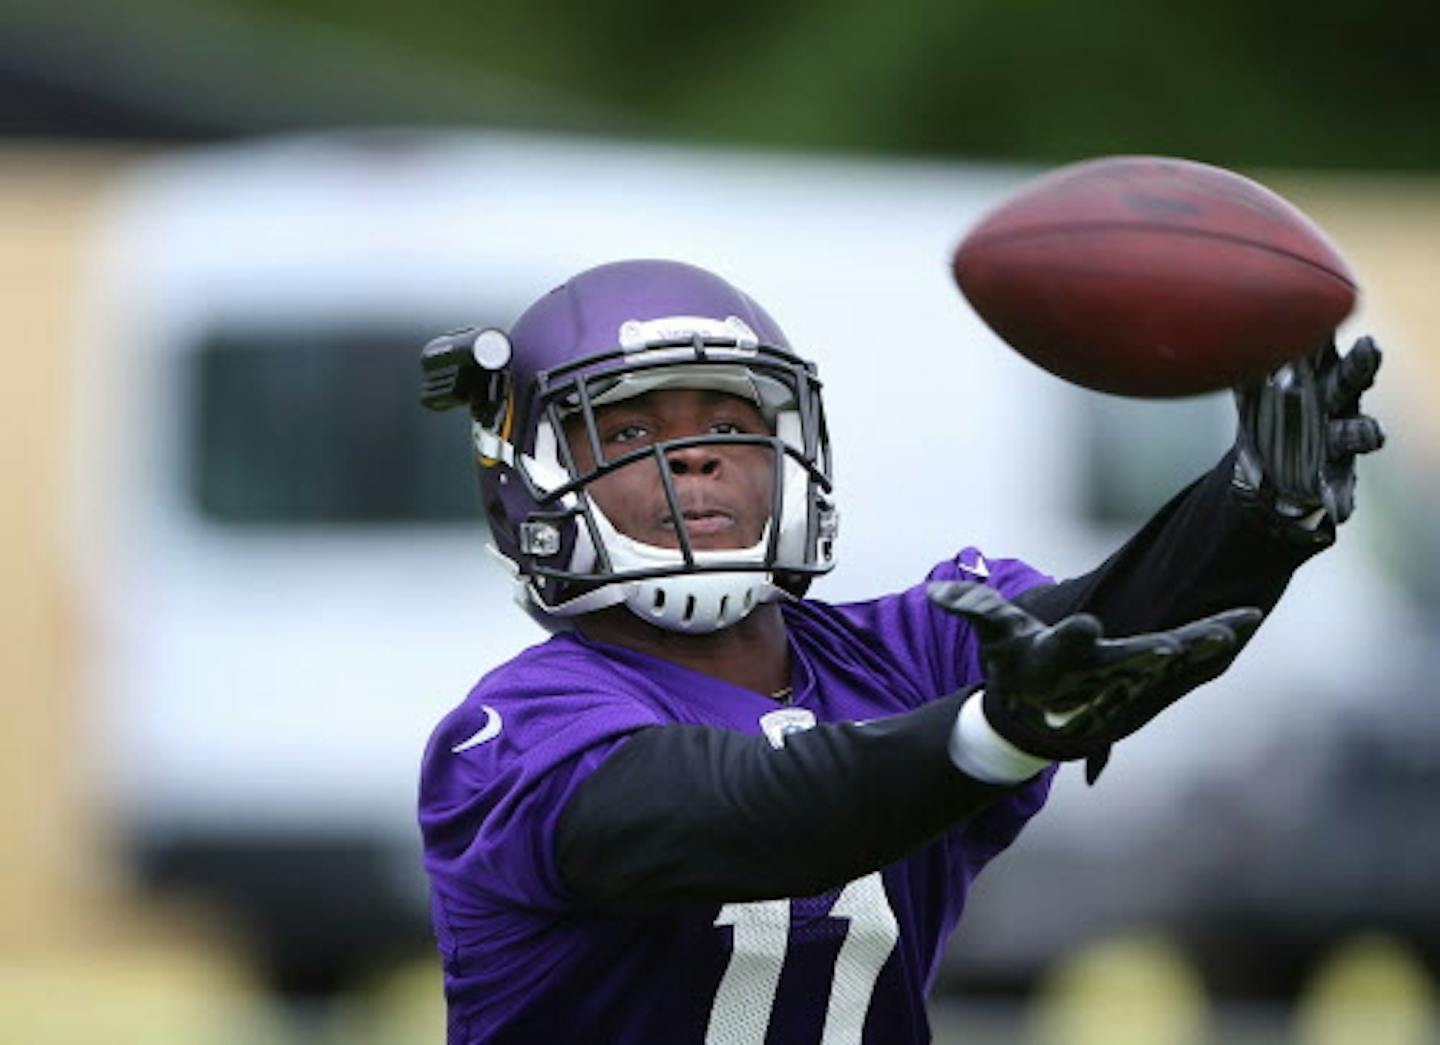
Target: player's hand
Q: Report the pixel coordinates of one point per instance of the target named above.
(1064, 692)
(1300, 430)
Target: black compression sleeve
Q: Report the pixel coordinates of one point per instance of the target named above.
(1201, 553)
(693, 814)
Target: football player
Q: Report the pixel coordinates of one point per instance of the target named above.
(710, 809)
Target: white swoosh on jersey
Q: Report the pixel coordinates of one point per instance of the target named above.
(489, 731)
(979, 569)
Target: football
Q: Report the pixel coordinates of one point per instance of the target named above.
(1155, 277)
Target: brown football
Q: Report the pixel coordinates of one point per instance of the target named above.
(1150, 276)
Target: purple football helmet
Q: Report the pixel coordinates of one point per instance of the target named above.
(610, 333)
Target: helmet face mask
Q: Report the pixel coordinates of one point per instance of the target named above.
(568, 557)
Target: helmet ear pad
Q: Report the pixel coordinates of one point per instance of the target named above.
(795, 491)
(511, 495)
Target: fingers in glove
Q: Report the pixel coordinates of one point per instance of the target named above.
(1138, 654)
(992, 615)
(1340, 494)
(1288, 431)
(1212, 636)
(1353, 435)
(1209, 644)
(1324, 358)
(1241, 622)
(1352, 375)
(1068, 646)
(1201, 642)
(1220, 635)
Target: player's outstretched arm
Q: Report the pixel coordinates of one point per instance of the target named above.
(683, 814)
(1063, 692)
(1234, 537)
(1300, 430)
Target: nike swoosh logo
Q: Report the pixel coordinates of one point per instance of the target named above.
(979, 569)
(1061, 719)
(489, 731)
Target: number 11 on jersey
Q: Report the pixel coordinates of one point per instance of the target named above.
(745, 999)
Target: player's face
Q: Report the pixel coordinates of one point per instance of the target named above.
(724, 489)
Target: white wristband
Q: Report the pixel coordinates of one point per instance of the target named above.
(980, 752)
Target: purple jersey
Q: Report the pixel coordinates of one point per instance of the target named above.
(853, 965)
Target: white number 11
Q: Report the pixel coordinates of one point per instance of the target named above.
(746, 997)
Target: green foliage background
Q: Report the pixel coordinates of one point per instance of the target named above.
(1249, 82)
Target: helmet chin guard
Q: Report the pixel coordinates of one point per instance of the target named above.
(693, 603)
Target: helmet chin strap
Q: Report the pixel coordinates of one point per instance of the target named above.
(691, 603)
(700, 603)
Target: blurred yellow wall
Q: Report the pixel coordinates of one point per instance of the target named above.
(1388, 227)
(50, 839)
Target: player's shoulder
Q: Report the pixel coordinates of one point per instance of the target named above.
(918, 650)
(550, 691)
(906, 617)
(1008, 576)
(563, 665)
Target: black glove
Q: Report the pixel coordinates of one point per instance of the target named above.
(1062, 692)
(1300, 430)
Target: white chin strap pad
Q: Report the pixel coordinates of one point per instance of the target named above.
(693, 603)
(699, 602)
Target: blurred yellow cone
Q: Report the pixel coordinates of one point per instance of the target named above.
(130, 995)
(1371, 991)
(1133, 990)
